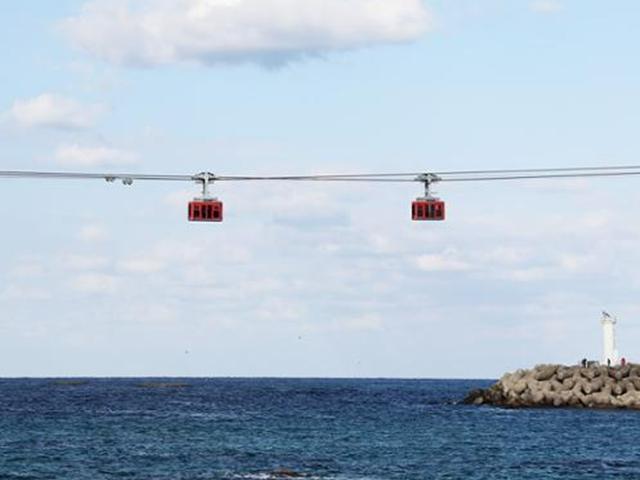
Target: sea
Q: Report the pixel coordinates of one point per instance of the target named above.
(333, 429)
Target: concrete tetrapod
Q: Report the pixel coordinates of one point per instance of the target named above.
(564, 386)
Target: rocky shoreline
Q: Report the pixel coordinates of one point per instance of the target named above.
(564, 386)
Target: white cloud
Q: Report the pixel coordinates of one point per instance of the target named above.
(505, 255)
(281, 309)
(576, 263)
(188, 253)
(447, 261)
(367, 322)
(92, 233)
(94, 283)
(142, 265)
(268, 32)
(595, 220)
(546, 6)
(561, 186)
(79, 156)
(180, 198)
(55, 111)
(17, 292)
(84, 262)
(28, 269)
(150, 314)
(530, 274)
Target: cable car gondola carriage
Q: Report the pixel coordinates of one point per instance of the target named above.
(205, 208)
(427, 208)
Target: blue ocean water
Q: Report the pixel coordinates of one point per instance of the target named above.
(316, 429)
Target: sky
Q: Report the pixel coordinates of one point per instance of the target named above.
(318, 280)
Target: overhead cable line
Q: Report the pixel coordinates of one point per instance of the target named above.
(92, 176)
(436, 176)
(540, 176)
(329, 176)
(209, 209)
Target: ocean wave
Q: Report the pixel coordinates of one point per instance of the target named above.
(289, 474)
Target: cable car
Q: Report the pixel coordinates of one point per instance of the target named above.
(205, 208)
(428, 209)
(209, 210)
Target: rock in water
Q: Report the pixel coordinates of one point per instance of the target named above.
(286, 473)
(475, 397)
(564, 386)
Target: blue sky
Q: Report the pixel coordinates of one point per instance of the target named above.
(315, 280)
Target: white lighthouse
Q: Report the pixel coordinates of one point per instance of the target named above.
(609, 352)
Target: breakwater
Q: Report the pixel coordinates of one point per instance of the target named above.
(564, 386)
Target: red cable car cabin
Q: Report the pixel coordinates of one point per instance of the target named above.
(428, 209)
(205, 211)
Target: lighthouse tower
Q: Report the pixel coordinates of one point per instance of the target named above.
(609, 352)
